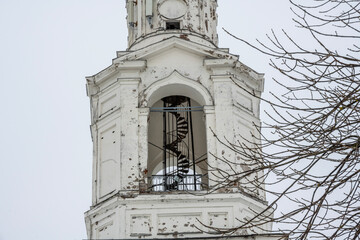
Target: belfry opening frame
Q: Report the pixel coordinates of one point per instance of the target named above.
(179, 163)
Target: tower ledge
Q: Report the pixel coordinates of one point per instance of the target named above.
(161, 35)
(175, 215)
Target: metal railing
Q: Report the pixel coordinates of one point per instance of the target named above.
(162, 183)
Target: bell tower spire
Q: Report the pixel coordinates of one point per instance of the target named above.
(151, 21)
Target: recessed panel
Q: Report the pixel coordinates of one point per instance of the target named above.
(107, 162)
(178, 223)
(243, 101)
(218, 219)
(173, 9)
(104, 228)
(107, 105)
(140, 225)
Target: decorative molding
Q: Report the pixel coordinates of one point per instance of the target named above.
(176, 84)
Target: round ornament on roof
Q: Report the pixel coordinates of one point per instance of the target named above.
(173, 9)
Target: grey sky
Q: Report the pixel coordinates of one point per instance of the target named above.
(46, 50)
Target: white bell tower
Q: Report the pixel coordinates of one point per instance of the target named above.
(154, 113)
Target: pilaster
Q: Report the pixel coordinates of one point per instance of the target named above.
(129, 135)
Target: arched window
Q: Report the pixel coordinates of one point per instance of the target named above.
(177, 158)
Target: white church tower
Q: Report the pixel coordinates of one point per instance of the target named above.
(154, 116)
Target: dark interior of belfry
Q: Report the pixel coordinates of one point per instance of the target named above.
(177, 146)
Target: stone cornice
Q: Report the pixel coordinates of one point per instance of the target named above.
(181, 43)
(118, 65)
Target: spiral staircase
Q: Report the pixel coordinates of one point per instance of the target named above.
(176, 144)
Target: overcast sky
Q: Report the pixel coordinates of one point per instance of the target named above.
(47, 47)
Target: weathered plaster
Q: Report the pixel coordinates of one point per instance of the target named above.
(161, 63)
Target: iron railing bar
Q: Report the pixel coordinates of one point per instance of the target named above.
(186, 185)
(200, 110)
(192, 143)
(164, 141)
(177, 109)
(173, 108)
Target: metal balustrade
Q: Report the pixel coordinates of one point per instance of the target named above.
(162, 183)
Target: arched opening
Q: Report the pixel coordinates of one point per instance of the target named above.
(177, 147)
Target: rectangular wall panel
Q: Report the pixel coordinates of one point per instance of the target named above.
(104, 228)
(107, 161)
(240, 99)
(178, 223)
(218, 219)
(107, 104)
(140, 225)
